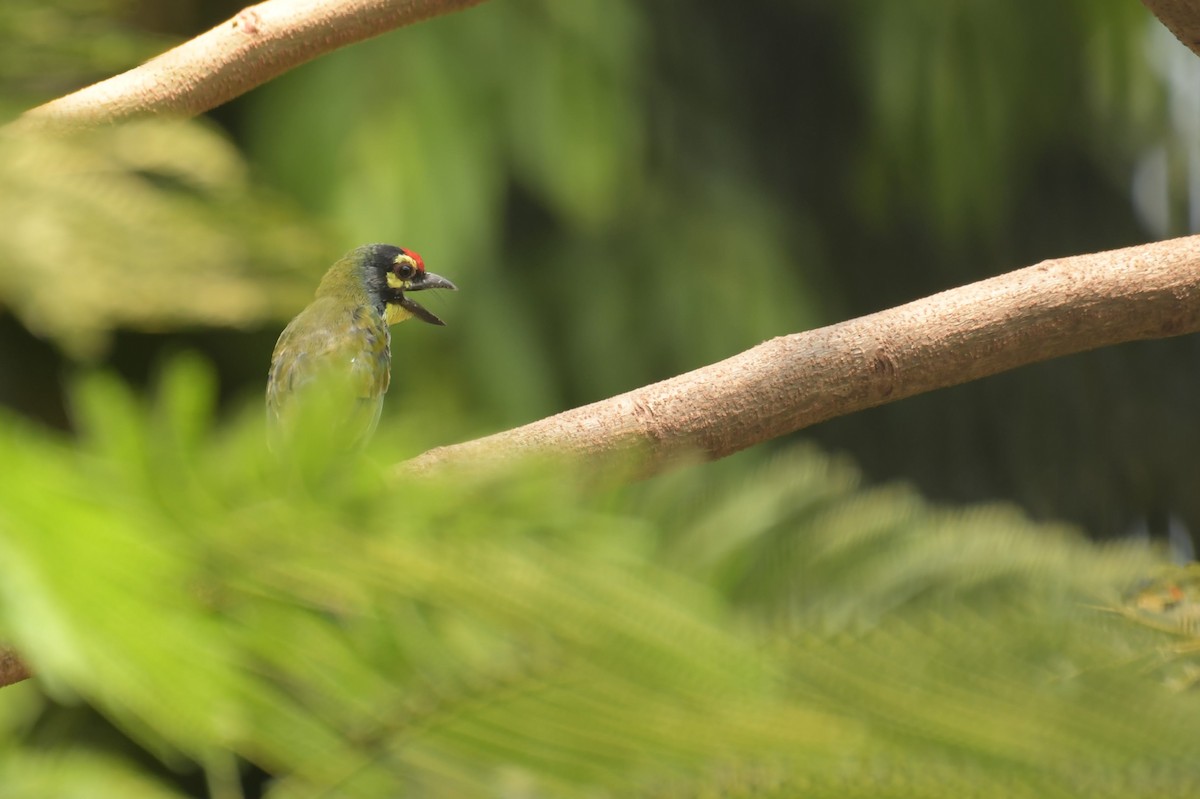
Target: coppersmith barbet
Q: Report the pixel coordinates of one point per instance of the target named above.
(343, 335)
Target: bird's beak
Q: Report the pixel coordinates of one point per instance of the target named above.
(425, 280)
(428, 280)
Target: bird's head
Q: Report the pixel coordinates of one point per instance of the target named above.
(382, 275)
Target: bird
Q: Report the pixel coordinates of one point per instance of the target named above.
(342, 339)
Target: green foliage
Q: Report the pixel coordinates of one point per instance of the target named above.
(146, 225)
(153, 225)
(519, 633)
(966, 99)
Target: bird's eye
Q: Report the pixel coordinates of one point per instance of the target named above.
(405, 271)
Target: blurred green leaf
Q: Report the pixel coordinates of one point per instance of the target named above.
(784, 630)
(148, 225)
(77, 775)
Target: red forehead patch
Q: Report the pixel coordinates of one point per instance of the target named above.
(416, 258)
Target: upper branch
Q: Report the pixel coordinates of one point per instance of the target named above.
(1181, 17)
(259, 43)
(1055, 308)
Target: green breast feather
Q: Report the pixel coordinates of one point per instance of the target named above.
(332, 343)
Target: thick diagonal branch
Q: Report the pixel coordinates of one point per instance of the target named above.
(262, 42)
(1055, 308)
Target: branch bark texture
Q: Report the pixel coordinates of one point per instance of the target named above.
(1054, 308)
(1181, 17)
(262, 42)
(12, 668)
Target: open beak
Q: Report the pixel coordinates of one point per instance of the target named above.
(424, 280)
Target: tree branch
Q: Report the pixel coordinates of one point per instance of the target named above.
(1181, 17)
(1055, 308)
(12, 668)
(262, 42)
